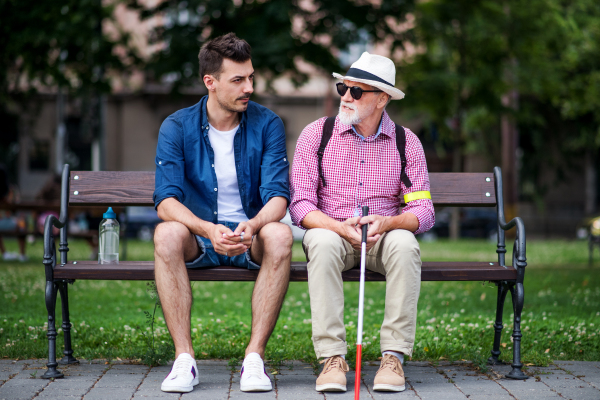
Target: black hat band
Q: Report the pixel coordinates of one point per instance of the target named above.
(360, 74)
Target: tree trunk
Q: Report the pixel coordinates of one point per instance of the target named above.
(510, 136)
(590, 182)
(60, 144)
(455, 213)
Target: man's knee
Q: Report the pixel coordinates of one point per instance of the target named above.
(401, 252)
(321, 242)
(169, 238)
(402, 241)
(277, 238)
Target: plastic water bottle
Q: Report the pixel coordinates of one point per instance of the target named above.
(108, 252)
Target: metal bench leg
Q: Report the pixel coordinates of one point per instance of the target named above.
(517, 299)
(502, 291)
(51, 291)
(66, 325)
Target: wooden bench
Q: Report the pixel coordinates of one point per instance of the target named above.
(85, 188)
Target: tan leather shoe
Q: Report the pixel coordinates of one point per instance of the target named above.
(390, 377)
(333, 376)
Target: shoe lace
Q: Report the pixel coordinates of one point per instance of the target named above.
(335, 362)
(392, 362)
(253, 367)
(181, 366)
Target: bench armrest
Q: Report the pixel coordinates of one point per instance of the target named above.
(519, 249)
(61, 223)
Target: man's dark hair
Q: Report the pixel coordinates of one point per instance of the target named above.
(214, 51)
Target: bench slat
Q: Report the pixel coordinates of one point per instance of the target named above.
(135, 188)
(105, 188)
(144, 271)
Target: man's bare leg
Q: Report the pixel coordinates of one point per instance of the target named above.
(272, 249)
(173, 244)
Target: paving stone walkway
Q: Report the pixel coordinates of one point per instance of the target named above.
(295, 380)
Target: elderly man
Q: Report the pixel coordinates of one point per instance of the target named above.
(361, 158)
(222, 185)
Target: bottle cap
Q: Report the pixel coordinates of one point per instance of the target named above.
(109, 214)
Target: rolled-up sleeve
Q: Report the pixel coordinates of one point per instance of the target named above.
(275, 167)
(416, 170)
(305, 176)
(169, 163)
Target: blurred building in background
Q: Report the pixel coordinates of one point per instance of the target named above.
(131, 115)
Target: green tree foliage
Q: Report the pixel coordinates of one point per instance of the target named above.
(269, 26)
(559, 80)
(51, 44)
(56, 43)
(457, 75)
(474, 52)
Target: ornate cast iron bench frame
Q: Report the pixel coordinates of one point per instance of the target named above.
(105, 188)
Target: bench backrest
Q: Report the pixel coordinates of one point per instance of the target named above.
(135, 188)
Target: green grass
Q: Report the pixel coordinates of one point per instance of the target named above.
(561, 318)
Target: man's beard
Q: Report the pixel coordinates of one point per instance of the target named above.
(232, 106)
(355, 117)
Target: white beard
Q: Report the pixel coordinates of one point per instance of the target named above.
(349, 118)
(355, 117)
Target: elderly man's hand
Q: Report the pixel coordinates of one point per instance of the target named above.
(378, 225)
(351, 231)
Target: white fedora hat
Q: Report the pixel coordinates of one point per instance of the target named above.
(376, 71)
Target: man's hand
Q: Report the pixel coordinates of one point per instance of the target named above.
(224, 242)
(378, 225)
(350, 230)
(242, 234)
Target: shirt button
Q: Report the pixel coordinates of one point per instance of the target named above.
(362, 161)
(160, 162)
(215, 189)
(215, 213)
(360, 184)
(213, 165)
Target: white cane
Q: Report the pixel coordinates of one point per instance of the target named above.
(361, 301)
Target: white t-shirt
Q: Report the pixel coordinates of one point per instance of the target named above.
(229, 202)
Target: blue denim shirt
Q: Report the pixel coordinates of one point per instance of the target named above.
(185, 160)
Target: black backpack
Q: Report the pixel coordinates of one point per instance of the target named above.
(400, 144)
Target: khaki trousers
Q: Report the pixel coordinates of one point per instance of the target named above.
(396, 255)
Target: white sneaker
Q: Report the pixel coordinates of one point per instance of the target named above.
(183, 376)
(254, 378)
(8, 256)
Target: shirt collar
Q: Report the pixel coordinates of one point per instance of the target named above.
(385, 127)
(376, 135)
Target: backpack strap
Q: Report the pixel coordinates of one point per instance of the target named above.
(327, 132)
(401, 144)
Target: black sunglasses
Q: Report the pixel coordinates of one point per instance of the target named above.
(355, 91)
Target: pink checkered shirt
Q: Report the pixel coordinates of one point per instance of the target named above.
(358, 172)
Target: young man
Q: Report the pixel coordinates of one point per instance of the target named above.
(221, 188)
(361, 166)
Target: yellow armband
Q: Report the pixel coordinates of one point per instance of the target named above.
(416, 196)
